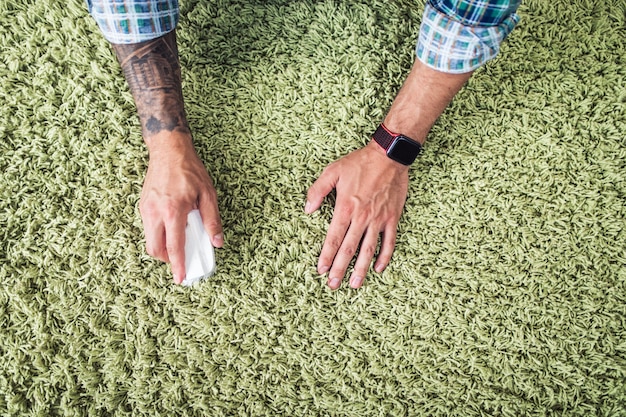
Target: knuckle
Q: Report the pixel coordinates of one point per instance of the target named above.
(393, 218)
(170, 212)
(345, 210)
(364, 216)
(212, 225)
(311, 194)
(334, 243)
(172, 246)
(329, 168)
(211, 194)
(360, 272)
(150, 250)
(146, 208)
(367, 252)
(156, 252)
(383, 259)
(391, 241)
(328, 171)
(347, 250)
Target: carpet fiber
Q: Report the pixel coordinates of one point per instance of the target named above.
(507, 291)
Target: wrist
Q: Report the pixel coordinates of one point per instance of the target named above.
(381, 156)
(166, 142)
(407, 127)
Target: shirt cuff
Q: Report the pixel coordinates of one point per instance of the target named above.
(445, 44)
(123, 21)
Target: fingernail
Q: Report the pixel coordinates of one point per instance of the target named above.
(356, 281)
(218, 239)
(334, 283)
(379, 268)
(307, 207)
(323, 269)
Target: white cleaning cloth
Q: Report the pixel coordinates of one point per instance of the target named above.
(199, 254)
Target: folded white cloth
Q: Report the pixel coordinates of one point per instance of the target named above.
(199, 254)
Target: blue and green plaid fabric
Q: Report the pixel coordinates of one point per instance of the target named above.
(458, 36)
(133, 21)
(477, 12)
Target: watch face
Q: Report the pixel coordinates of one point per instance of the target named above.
(404, 150)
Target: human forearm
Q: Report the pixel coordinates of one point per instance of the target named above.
(176, 180)
(152, 71)
(422, 99)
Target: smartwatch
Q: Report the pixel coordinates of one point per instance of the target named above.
(400, 148)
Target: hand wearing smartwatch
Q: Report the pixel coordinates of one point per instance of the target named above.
(372, 182)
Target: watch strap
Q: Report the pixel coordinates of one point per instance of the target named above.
(383, 136)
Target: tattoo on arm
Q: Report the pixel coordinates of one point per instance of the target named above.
(152, 70)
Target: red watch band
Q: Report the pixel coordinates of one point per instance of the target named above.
(383, 136)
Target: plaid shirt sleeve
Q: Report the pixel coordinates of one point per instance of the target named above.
(134, 21)
(458, 36)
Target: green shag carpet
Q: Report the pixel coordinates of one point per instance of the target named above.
(506, 295)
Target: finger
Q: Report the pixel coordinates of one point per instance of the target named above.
(344, 255)
(320, 189)
(387, 247)
(155, 244)
(175, 244)
(155, 236)
(334, 237)
(364, 259)
(210, 214)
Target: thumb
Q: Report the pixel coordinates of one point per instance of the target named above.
(320, 189)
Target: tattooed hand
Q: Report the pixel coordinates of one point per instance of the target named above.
(176, 181)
